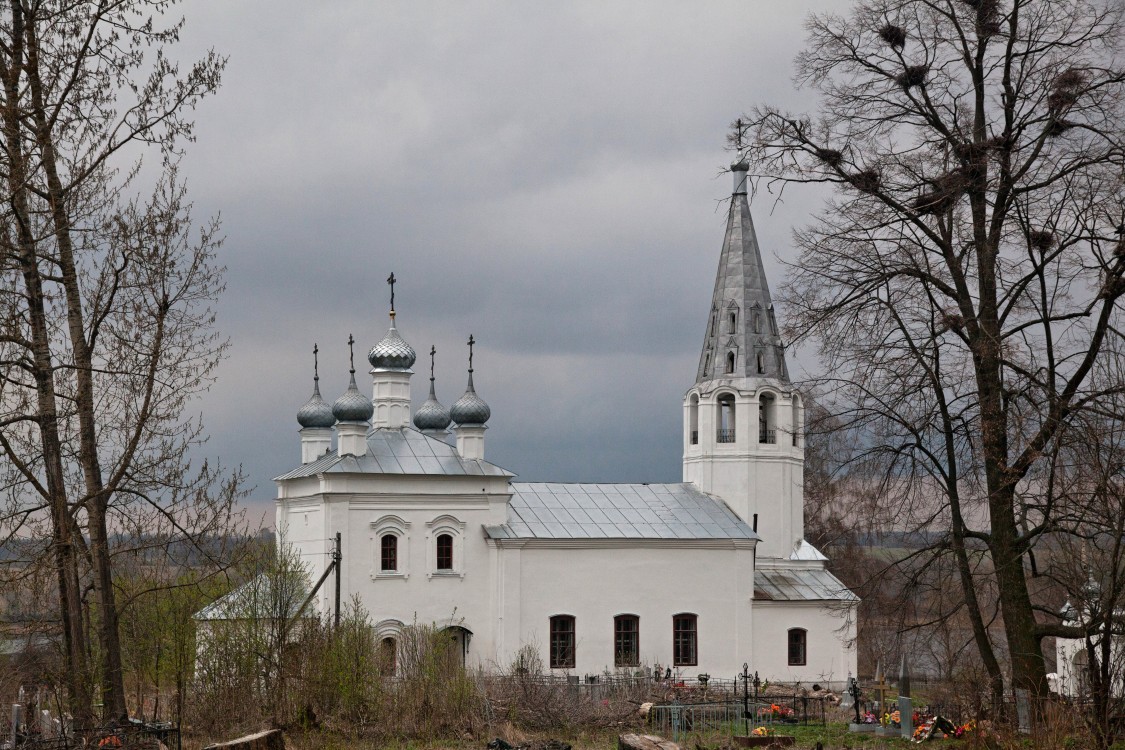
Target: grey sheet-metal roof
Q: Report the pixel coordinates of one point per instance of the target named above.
(400, 451)
(617, 511)
(799, 584)
(260, 597)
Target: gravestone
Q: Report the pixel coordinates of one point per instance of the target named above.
(905, 707)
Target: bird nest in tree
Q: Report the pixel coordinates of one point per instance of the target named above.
(866, 181)
(914, 75)
(893, 35)
(829, 156)
(1058, 126)
(1065, 90)
(942, 195)
(1041, 239)
(987, 16)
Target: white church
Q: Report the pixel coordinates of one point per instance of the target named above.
(697, 577)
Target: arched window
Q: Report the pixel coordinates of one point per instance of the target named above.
(388, 553)
(684, 640)
(732, 320)
(714, 322)
(725, 432)
(798, 641)
(756, 319)
(730, 362)
(445, 552)
(761, 364)
(767, 419)
(706, 369)
(796, 424)
(562, 642)
(626, 641)
(693, 419)
(388, 656)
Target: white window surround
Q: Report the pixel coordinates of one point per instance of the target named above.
(445, 524)
(396, 527)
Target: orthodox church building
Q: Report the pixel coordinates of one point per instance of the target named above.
(700, 576)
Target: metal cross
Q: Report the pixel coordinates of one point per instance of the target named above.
(316, 365)
(351, 354)
(471, 342)
(433, 351)
(391, 280)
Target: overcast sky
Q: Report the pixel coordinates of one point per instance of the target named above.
(545, 176)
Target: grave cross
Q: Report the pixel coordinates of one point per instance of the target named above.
(853, 690)
(880, 685)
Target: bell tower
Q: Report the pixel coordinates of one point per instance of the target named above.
(743, 417)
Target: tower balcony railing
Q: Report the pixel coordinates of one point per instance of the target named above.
(724, 436)
(767, 436)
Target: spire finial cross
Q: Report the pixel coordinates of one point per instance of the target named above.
(351, 354)
(391, 280)
(471, 342)
(433, 351)
(316, 363)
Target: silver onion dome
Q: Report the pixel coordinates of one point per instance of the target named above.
(470, 409)
(353, 406)
(316, 412)
(431, 415)
(392, 353)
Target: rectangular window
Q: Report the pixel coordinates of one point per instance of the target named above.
(562, 642)
(684, 637)
(797, 647)
(626, 641)
(388, 553)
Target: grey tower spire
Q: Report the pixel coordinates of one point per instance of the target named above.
(741, 340)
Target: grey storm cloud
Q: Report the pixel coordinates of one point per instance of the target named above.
(546, 176)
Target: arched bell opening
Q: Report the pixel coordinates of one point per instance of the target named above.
(726, 421)
(767, 418)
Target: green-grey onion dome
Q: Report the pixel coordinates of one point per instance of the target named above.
(470, 409)
(353, 406)
(392, 353)
(316, 412)
(431, 415)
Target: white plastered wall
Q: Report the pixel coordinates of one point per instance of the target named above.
(652, 580)
(830, 649)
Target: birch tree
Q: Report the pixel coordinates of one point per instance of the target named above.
(108, 290)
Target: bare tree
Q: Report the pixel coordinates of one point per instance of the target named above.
(965, 280)
(107, 302)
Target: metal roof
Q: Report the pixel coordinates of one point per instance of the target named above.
(799, 584)
(400, 451)
(617, 511)
(261, 597)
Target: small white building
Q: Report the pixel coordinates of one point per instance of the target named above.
(700, 576)
(1072, 660)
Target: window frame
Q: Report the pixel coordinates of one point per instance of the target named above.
(557, 655)
(443, 560)
(682, 637)
(802, 644)
(620, 657)
(392, 549)
(398, 528)
(445, 525)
